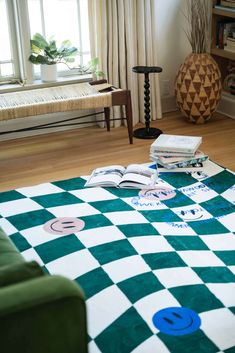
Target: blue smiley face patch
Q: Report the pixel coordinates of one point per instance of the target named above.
(176, 321)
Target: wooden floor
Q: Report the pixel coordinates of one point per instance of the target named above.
(62, 155)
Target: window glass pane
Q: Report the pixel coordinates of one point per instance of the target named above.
(84, 26)
(35, 17)
(86, 59)
(60, 21)
(5, 52)
(7, 69)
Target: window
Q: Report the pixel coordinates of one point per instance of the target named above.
(57, 19)
(8, 54)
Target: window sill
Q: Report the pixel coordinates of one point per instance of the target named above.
(39, 84)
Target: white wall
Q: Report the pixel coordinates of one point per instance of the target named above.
(173, 46)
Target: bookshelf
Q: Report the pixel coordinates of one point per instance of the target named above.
(223, 57)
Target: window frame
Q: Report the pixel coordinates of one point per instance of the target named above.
(19, 31)
(14, 51)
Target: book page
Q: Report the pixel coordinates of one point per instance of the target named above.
(110, 175)
(138, 175)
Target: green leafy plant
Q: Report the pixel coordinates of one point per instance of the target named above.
(45, 52)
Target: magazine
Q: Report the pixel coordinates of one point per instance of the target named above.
(196, 167)
(177, 159)
(133, 176)
(184, 163)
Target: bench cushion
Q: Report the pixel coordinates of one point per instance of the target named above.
(52, 99)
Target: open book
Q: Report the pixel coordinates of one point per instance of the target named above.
(133, 176)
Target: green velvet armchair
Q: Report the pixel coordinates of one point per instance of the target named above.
(39, 313)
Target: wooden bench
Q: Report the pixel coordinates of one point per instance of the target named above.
(93, 95)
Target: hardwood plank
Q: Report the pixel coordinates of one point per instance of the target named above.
(62, 155)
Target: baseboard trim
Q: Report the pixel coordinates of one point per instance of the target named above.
(168, 104)
(227, 105)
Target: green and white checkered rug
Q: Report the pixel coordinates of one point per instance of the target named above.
(136, 253)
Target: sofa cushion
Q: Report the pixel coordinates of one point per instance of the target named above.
(9, 254)
(19, 272)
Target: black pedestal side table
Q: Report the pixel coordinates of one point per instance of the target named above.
(147, 132)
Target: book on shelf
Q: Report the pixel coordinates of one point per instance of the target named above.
(134, 176)
(176, 143)
(230, 44)
(224, 8)
(227, 3)
(177, 162)
(224, 30)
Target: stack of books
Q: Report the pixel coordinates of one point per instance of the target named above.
(176, 153)
(228, 3)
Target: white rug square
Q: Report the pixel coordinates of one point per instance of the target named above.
(177, 276)
(219, 326)
(105, 307)
(73, 265)
(122, 269)
(200, 258)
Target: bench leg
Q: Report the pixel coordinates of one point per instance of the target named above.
(128, 108)
(107, 117)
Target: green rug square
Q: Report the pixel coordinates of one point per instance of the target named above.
(124, 334)
(10, 196)
(228, 257)
(138, 287)
(230, 350)
(115, 250)
(232, 309)
(215, 274)
(20, 242)
(161, 216)
(30, 219)
(94, 281)
(179, 200)
(196, 297)
(218, 206)
(57, 248)
(116, 205)
(135, 230)
(58, 199)
(187, 242)
(221, 181)
(95, 221)
(178, 180)
(163, 260)
(208, 226)
(70, 184)
(196, 342)
(122, 192)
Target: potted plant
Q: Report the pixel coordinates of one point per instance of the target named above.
(48, 55)
(198, 82)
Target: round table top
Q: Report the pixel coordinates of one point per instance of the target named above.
(146, 69)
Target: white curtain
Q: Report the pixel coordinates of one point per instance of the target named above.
(123, 35)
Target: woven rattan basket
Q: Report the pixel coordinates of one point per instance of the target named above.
(198, 87)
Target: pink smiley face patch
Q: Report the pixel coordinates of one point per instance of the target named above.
(64, 225)
(157, 194)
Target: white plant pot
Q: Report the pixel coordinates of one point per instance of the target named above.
(49, 73)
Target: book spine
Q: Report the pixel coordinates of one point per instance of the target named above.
(186, 164)
(224, 8)
(227, 3)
